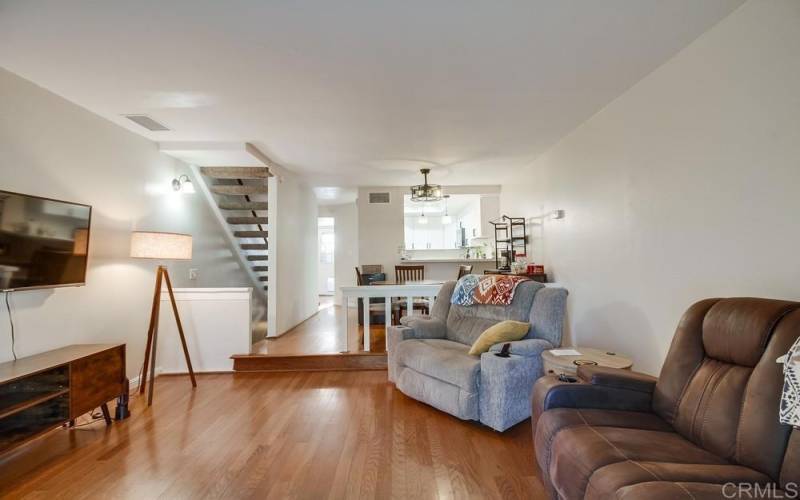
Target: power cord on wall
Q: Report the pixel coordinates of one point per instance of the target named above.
(11, 321)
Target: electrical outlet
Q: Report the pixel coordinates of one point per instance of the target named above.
(192, 274)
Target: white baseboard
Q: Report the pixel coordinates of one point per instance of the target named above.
(134, 382)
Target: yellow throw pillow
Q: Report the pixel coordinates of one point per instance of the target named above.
(505, 331)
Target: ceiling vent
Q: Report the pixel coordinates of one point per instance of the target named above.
(379, 198)
(146, 122)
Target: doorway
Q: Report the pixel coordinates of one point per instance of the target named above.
(326, 244)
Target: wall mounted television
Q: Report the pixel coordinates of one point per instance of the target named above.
(44, 243)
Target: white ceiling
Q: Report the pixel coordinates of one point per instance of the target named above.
(354, 93)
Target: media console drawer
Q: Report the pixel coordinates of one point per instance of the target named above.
(41, 392)
(99, 377)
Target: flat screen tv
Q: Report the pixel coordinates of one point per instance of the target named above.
(43, 243)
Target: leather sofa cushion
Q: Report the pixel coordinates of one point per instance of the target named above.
(441, 359)
(583, 441)
(663, 490)
(553, 421)
(606, 481)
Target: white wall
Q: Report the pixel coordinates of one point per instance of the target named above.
(380, 226)
(51, 147)
(346, 255)
(293, 264)
(684, 187)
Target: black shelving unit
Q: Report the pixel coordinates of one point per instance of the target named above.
(510, 239)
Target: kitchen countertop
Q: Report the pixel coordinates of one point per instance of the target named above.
(450, 261)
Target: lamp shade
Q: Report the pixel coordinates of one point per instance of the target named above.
(164, 246)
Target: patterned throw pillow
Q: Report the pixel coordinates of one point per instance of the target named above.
(790, 402)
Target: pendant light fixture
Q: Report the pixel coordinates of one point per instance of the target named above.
(446, 219)
(426, 192)
(422, 220)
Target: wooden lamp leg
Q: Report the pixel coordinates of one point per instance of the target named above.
(152, 336)
(180, 327)
(156, 311)
(153, 323)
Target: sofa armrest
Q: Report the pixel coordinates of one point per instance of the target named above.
(549, 392)
(525, 347)
(406, 319)
(617, 378)
(420, 328)
(505, 388)
(425, 328)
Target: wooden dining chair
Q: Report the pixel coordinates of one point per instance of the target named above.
(409, 273)
(376, 306)
(464, 270)
(405, 273)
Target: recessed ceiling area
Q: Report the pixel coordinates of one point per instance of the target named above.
(354, 92)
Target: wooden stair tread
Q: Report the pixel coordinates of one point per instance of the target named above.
(236, 172)
(257, 257)
(260, 269)
(237, 190)
(250, 234)
(309, 362)
(254, 246)
(242, 205)
(263, 278)
(246, 220)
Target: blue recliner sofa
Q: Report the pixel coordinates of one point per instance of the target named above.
(428, 358)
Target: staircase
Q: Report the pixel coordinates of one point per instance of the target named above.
(240, 194)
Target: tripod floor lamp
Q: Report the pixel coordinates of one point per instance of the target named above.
(161, 246)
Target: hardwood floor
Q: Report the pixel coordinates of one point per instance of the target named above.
(323, 333)
(277, 435)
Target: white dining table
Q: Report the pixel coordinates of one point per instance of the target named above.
(408, 290)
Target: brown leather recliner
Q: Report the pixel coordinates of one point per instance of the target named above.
(710, 420)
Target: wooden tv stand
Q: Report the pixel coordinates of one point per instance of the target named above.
(41, 392)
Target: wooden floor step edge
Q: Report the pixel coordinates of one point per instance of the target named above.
(309, 362)
(246, 220)
(253, 258)
(260, 269)
(236, 172)
(254, 246)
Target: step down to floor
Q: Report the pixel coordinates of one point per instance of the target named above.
(242, 205)
(260, 269)
(246, 220)
(308, 362)
(236, 172)
(250, 234)
(238, 190)
(257, 257)
(254, 246)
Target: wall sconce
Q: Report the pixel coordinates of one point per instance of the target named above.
(557, 214)
(183, 185)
